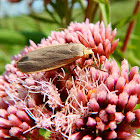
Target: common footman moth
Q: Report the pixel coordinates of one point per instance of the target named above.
(52, 57)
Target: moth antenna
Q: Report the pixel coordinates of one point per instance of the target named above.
(84, 39)
(97, 60)
(80, 36)
(61, 29)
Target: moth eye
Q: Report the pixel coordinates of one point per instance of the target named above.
(90, 56)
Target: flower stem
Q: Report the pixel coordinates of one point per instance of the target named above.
(91, 10)
(131, 26)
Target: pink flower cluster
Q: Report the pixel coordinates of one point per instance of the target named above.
(83, 104)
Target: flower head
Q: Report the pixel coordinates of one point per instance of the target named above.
(84, 103)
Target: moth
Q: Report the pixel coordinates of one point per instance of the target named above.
(52, 57)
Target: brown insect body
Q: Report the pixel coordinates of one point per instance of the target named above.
(52, 57)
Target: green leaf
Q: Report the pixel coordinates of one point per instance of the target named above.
(11, 37)
(102, 1)
(132, 58)
(105, 9)
(52, 16)
(135, 40)
(138, 132)
(43, 19)
(34, 36)
(137, 106)
(44, 133)
(121, 23)
(20, 37)
(6, 51)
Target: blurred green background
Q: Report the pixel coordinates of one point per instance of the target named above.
(22, 20)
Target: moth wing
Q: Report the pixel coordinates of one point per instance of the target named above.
(49, 58)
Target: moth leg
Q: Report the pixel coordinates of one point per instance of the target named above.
(88, 65)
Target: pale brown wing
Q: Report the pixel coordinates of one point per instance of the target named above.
(49, 58)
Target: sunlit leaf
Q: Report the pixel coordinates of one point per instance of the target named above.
(102, 1)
